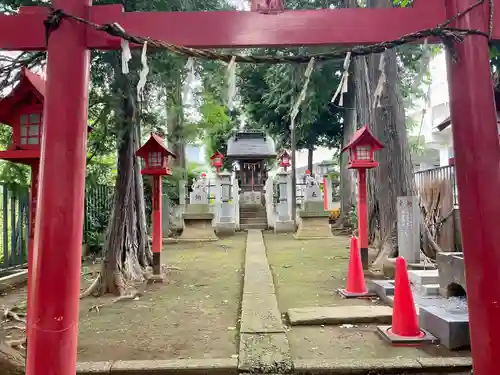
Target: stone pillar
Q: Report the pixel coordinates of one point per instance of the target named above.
(314, 220)
(408, 222)
(235, 197)
(284, 222)
(182, 195)
(225, 221)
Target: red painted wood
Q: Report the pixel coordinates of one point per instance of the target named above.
(477, 157)
(55, 285)
(253, 29)
(31, 238)
(362, 210)
(157, 220)
(236, 28)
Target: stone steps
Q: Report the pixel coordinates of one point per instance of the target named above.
(262, 226)
(253, 220)
(260, 217)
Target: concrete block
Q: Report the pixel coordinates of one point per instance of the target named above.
(451, 270)
(382, 288)
(225, 227)
(339, 315)
(93, 368)
(284, 227)
(15, 277)
(429, 289)
(452, 329)
(423, 277)
(313, 227)
(356, 366)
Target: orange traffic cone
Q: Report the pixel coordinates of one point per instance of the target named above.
(405, 328)
(356, 286)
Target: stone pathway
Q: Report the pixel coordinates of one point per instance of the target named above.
(263, 343)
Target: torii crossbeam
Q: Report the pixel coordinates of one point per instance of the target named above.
(58, 233)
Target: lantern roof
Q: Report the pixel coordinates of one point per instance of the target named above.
(29, 83)
(364, 137)
(284, 153)
(155, 143)
(217, 155)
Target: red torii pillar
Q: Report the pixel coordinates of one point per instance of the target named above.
(58, 233)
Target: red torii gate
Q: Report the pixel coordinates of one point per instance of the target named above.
(58, 233)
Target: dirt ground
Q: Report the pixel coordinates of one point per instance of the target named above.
(194, 315)
(307, 273)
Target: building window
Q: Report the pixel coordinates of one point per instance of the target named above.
(155, 160)
(30, 129)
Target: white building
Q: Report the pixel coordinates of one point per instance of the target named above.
(436, 128)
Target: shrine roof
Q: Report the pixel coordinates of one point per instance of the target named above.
(251, 144)
(364, 136)
(28, 81)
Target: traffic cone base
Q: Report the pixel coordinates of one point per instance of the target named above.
(356, 286)
(423, 338)
(347, 294)
(405, 329)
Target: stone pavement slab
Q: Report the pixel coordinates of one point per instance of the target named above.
(222, 366)
(339, 315)
(264, 346)
(258, 279)
(260, 314)
(265, 354)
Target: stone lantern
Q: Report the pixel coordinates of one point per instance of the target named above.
(157, 159)
(361, 150)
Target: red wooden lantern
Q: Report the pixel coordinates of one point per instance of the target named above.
(22, 109)
(285, 159)
(361, 149)
(157, 157)
(217, 160)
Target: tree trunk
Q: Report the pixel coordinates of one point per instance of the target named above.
(127, 248)
(175, 114)
(347, 182)
(310, 155)
(394, 176)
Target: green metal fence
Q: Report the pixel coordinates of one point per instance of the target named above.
(14, 226)
(98, 205)
(14, 221)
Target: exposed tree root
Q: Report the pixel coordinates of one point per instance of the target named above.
(93, 288)
(21, 328)
(9, 314)
(170, 268)
(133, 296)
(11, 361)
(18, 343)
